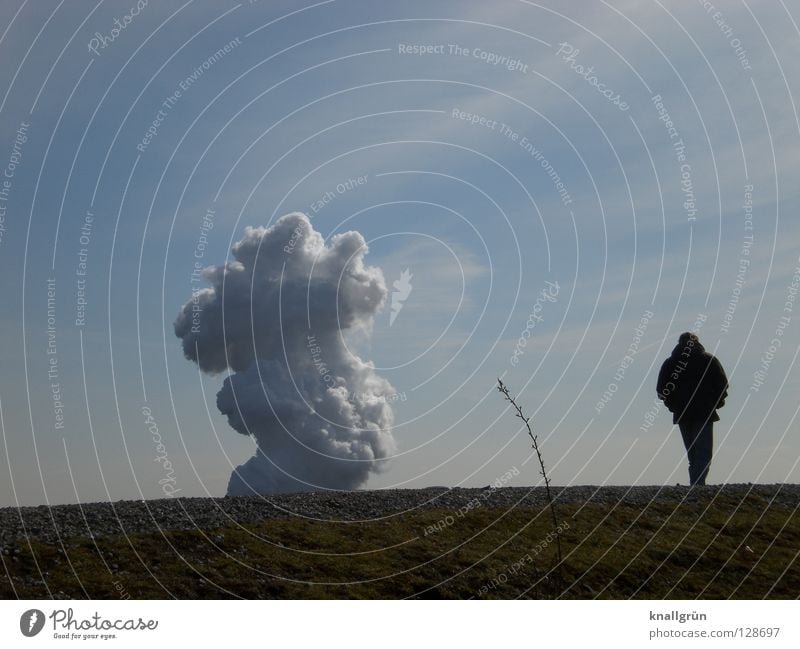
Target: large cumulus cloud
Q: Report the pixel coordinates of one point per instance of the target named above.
(279, 317)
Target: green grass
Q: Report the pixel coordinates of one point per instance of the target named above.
(658, 551)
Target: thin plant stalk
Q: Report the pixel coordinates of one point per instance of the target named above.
(535, 444)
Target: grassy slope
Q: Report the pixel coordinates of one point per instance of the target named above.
(658, 551)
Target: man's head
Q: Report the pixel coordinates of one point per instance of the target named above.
(689, 342)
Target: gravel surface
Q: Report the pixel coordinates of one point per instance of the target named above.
(49, 524)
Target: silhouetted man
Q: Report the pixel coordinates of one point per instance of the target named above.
(692, 385)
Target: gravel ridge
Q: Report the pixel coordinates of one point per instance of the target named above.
(61, 522)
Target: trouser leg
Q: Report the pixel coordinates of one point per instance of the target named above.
(704, 444)
(698, 455)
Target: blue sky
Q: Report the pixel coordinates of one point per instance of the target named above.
(311, 95)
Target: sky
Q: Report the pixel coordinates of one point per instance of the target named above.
(567, 185)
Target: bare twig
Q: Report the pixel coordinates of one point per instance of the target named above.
(535, 444)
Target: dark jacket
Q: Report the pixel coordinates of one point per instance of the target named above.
(692, 384)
